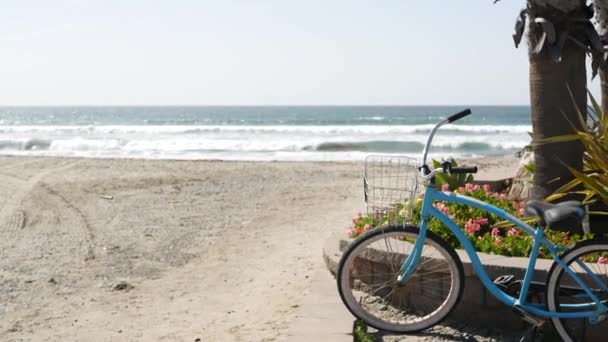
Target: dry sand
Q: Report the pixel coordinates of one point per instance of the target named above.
(133, 250)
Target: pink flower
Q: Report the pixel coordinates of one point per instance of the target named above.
(513, 232)
(355, 220)
(351, 232)
(360, 214)
(486, 187)
(495, 232)
(471, 227)
(503, 197)
(521, 211)
(497, 242)
(481, 221)
(602, 261)
(476, 187)
(468, 187)
(367, 228)
(495, 195)
(445, 187)
(443, 208)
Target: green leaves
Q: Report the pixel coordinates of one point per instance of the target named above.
(530, 167)
(360, 332)
(592, 181)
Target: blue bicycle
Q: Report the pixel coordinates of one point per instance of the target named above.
(403, 278)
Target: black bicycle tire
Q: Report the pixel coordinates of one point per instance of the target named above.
(407, 229)
(555, 268)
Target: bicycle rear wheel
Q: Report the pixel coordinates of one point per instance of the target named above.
(367, 280)
(565, 295)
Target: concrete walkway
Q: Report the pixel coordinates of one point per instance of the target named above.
(322, 316)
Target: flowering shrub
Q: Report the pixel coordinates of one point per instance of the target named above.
(481, 228)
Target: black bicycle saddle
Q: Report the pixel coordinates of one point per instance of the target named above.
(553, 213)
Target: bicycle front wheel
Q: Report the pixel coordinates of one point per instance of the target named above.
(367, 280)
(589, 261)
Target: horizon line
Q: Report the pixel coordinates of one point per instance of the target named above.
(265, 105)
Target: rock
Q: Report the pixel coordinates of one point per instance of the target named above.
(16, 327)
(122, 286)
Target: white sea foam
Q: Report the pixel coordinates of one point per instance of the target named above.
(236, 142)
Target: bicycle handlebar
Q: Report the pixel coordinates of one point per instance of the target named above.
(459, 116)
(464, 169)
(426, 173)
(450, 119)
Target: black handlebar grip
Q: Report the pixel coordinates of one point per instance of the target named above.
(464, 169)
(459, 116)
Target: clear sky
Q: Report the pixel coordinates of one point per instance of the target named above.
(256, 52)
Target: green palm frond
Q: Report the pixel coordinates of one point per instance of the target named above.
(592, 181)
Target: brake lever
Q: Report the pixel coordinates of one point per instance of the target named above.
(447, 167)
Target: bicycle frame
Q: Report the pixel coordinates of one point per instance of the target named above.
(428, 211)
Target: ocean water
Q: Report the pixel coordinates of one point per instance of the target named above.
(298, 133)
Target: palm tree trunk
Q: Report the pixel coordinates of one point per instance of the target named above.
(601, 26)
(552, 81)
(604, 90)
(552, 112)
(600, 222)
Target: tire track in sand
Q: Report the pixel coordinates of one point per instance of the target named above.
(78, 216)
(13, 217)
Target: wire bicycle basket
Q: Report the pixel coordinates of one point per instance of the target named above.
(391, 186)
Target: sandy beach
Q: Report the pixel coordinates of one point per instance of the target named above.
(144, 250)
